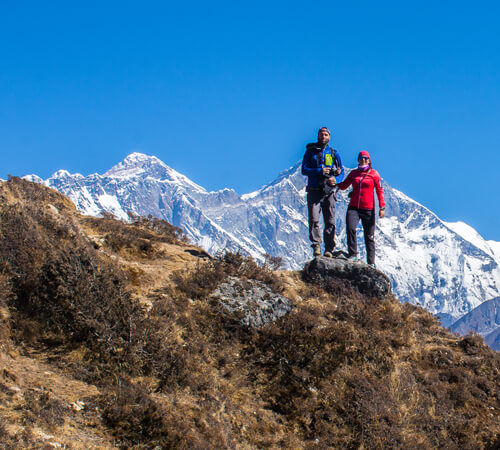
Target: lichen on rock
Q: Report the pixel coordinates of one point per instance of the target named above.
(252, 301)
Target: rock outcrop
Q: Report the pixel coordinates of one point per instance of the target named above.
(366, 279)
(252, 301)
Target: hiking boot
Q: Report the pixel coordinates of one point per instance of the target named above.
(328, 254)
(316, 250)
(353, 258)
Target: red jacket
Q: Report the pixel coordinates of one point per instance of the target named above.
(363, 184)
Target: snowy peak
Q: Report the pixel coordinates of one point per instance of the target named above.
(469, 234)
(141, 166)
(33, 178)
(137, 164)
(64, 175)
(61, 174)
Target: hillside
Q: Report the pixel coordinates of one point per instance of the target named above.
(446, 268)
(112, 336)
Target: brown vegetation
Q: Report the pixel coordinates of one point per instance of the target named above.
(109, 338)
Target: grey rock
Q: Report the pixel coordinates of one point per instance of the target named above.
(252, 301)
(366, 279)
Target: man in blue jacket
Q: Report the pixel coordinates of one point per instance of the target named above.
(323, 167)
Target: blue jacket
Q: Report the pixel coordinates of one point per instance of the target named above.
(315, 160)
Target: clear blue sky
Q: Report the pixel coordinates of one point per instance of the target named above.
(230, 93)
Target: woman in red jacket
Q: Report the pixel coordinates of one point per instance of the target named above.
(364, 181)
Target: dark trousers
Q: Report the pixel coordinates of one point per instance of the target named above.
(367, 217)
(319, 201)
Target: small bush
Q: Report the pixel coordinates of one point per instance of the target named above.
(40, 408)
(139, 420)
(164, 231)
(137, 236)
(135, 417)
(208, 275)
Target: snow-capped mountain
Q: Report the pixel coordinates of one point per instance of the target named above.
(447, 268)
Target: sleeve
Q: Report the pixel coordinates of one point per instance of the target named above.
(379, 190)
(347, 182)
(306, 169)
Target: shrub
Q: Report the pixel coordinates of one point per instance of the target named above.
(60, 289)
(135, 417)
(137, 236)
(208, 275)
(41, 408)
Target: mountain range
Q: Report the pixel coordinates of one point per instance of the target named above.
(448, 268)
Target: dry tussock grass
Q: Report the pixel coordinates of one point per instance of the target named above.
(341, 371)
(139, 238)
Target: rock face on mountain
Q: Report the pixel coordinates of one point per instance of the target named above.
(366, 279)
(428, 262)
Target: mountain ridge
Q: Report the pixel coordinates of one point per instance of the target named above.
(451, 275)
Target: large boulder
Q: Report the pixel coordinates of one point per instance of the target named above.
(253, 302)
(366, 279)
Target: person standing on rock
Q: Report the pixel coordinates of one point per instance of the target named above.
(323, 167)
(364, 180)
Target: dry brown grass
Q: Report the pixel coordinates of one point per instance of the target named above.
(119, 316)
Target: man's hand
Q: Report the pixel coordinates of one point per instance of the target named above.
(381, 213)
(332, 181)
(327, 170)
(337, 172)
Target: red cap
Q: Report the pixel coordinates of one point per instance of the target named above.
(364, 153)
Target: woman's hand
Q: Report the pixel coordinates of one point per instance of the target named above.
(381, 213)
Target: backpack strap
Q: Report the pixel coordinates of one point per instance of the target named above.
(335, 160)
(364, 176)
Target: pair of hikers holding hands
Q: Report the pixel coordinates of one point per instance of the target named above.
(323, 167)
